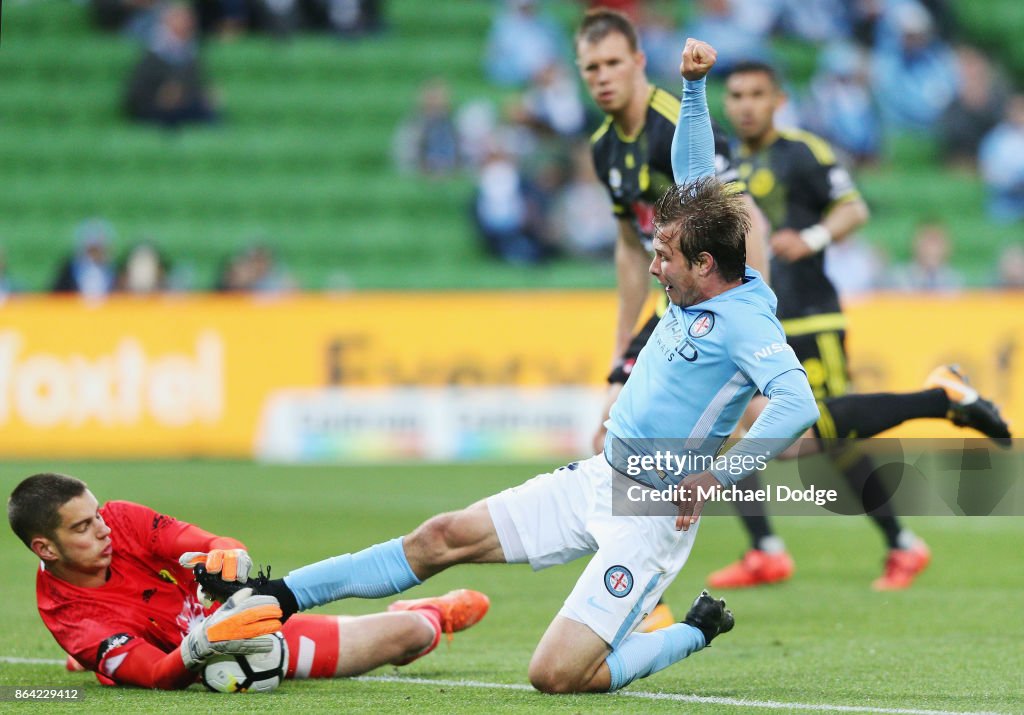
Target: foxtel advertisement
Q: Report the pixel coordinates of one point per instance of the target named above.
(400, 376)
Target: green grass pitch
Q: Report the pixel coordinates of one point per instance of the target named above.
(952, 643)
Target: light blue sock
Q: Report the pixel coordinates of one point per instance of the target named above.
(381, 570)
(643, 654)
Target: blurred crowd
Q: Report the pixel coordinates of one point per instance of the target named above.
(97, 266)
(883, 68)
(168, 85)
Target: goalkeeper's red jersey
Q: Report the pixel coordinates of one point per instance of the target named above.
(148, 597)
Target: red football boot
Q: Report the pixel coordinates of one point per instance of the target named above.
(754, 569)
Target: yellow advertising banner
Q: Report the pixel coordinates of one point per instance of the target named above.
(191, 375)
(895, 340)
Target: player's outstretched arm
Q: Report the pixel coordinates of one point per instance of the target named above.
(693, 144)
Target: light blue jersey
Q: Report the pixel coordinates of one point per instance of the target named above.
(703, 363)
(699, 370)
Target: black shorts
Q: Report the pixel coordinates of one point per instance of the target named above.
(823, 356)
(620, 373)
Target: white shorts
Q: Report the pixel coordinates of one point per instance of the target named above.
(558, 517)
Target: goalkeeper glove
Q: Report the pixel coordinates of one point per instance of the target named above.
(233, 628)
(231, 564)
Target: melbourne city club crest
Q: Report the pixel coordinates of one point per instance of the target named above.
(702, 325)
(619, 581)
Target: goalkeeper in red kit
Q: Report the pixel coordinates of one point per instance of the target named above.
(117, 591)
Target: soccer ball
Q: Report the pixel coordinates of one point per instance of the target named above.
(255, 673)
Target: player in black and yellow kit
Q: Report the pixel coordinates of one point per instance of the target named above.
(810, 200)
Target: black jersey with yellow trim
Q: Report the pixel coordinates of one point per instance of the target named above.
(795, 180)
(637, 170)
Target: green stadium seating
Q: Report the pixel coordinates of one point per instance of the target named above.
(303, 158)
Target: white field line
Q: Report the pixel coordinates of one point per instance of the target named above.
(678, 697)
(674, 697)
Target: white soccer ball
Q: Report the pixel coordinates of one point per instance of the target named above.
(255, 673)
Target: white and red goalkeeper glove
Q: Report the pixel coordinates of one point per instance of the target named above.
(236, 628)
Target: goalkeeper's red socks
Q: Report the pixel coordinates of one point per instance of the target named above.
(432, 615)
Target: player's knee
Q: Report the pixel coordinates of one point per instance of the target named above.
(548, 677)
(552, 684)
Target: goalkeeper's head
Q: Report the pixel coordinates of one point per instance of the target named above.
(58, 518)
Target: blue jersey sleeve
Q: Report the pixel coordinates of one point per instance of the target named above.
(693, 144)
(760, 351)
(790, 411)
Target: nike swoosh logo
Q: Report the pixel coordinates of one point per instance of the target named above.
(594, 604)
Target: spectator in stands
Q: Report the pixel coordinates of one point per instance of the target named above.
(840, 106)
(661, 40)
(89, 271)
(759, 17)
(1011, 267)
(815, 20)
(552, 102)
(143, 269)
(136, 18)
(506, 211)
(1001, 160)
(167, 85)
(280, 18)
(721, 26)
(255, 270)
(977, 108)
(915, 80)
(876, 22)
(855, 267)
(476, 122)
(428, 142)
(521, 43)
(929, 269)
(347, 18)
(226, 19)
(583, 221)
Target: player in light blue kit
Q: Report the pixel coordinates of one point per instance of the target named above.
(718, 343)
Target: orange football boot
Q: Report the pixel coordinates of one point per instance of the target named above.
(754, 569)
(459, 609)
(902, 567)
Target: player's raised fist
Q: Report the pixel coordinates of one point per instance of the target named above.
(231, 564)
(698, 59)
